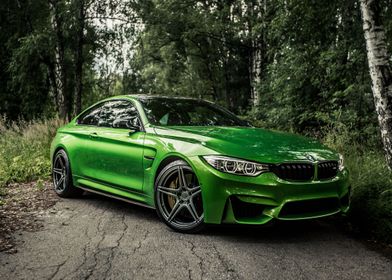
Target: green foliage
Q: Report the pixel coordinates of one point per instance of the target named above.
(194, 49)
(24, 88)
(371, 200)
(371, 207)
(314, 73)
(24, 150)
(319, 78)
(32, 84)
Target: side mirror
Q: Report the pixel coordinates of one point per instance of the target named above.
(134, 125)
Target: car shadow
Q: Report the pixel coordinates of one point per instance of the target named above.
(276, 230)
(279, 231)
(121, 206)
(331, 229)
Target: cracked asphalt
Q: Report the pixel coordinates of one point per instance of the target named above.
(100, 238)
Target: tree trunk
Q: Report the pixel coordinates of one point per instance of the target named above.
(255, 72)
(255, 10)
(80, 22)
(53, 83)
(380, 71)
(63, 97)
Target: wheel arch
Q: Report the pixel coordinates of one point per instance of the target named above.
(58, 148)
(169, 159)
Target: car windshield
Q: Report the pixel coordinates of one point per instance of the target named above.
(187, 112)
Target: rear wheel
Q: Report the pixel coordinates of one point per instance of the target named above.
(62, 176)
(178, 198)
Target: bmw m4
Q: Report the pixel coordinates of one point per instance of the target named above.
(196, 164)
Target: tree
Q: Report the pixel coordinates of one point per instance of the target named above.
(24, 86)
(380, 70)
(195, 48)
(64, 95)
(80, 22)
(256, 14)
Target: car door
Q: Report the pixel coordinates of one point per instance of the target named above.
(84, 153)
(114, 153)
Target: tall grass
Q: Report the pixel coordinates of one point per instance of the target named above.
(24, 149)
(371, 200)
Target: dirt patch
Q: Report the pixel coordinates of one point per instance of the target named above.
(20, 207)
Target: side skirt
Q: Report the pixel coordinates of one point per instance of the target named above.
(88, 189)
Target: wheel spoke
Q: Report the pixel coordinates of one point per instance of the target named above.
(195, 191)
(58, 171)
(181, 177)
(65, 180)
(192, 210)
(60, 182)
(176, 209)
(60, 161)
(168, 191)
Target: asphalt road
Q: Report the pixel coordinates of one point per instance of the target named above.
(100, 238)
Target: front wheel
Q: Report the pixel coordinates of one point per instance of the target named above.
(178, 198)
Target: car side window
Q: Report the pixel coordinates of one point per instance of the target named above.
(91, 117)
(118, 114)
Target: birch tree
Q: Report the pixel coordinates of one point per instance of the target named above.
(256, 11)
(380, 70)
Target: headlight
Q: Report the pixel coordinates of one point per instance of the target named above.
(236, 166)
(341, 162)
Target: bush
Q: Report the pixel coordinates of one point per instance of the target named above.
(24, 150)
(371, 200)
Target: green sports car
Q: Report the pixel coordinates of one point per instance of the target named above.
(196, 163)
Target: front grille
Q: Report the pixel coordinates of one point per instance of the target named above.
(294, 171)
(327, 170)
(313, 206)
(245, 210)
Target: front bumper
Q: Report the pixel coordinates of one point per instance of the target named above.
(257, 200)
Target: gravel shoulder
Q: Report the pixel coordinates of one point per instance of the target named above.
(20, 208)
(99, 238)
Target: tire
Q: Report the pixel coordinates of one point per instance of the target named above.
(178, 198)
(62, 176)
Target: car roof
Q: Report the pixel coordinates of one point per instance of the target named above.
(148, 96)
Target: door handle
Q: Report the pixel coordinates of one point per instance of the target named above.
(93, 135)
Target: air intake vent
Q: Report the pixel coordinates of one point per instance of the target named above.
(327, 170)
(294, 171)
(314, 206)
(243, 210)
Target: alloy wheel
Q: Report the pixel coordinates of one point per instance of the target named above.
(59, 173)
(179, 197)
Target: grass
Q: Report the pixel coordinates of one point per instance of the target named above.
(371, 205)
(24, 150)
(371, 200)
(24, 156)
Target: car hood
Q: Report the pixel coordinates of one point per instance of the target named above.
(252, 143)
